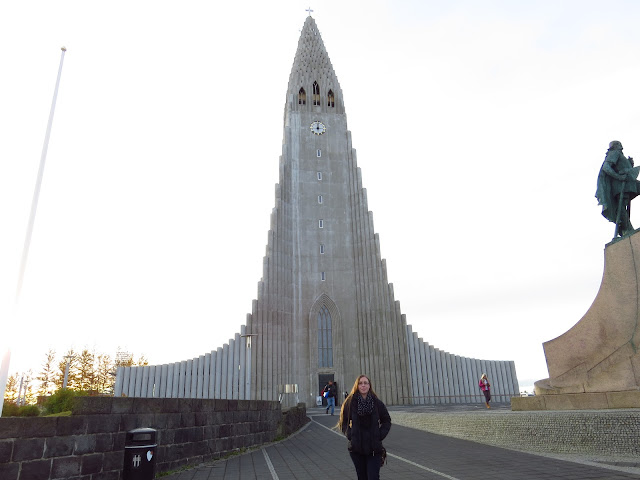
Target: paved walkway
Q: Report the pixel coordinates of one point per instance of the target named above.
(316, 452)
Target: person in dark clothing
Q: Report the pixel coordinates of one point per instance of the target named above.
(365, 421)
(331, 393)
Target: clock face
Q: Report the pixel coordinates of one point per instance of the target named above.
(318, 128)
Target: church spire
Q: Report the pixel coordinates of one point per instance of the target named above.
(313, 82)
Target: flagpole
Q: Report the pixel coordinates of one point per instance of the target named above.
(36, 191)
(6, 358)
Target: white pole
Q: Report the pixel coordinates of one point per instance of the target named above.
(4, 375)
(36, 192)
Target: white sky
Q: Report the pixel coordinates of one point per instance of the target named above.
(480, 128)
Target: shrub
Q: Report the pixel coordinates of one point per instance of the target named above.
(28, 411)
(9, 409)
(62, 400)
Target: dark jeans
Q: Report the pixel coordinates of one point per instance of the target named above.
(367, 466)
(487, 395)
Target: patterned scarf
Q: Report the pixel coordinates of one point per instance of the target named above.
(365, 406)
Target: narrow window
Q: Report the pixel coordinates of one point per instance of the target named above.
(319, 175)
(322, 249)
(320, 223)
(316, 93)
(302, 97)
(325, 344)
(330, 101)
(322, 277)
(319, 153)
(319, 198)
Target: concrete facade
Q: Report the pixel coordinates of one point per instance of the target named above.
(325, 308)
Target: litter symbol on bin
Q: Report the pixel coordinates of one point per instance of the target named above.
(136, 461)
(149, 455)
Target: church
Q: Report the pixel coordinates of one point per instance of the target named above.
(325, 309)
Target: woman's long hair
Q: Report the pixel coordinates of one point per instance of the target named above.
(346, 405)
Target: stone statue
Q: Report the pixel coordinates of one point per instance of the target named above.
(617, 186)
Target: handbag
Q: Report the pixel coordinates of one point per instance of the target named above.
(325, 394)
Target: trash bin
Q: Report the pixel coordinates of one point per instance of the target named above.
(140, 454)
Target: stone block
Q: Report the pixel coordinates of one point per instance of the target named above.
(244, 404)
(519, 404)
(92, 405)
(576, 401)
(84, 444)
(59, 446)
(196, 434)
(71, 425)
(104, 442)
(200, 418)
(9, 427)
(9, 471)
(65, 467)
(38, 426)
(6, 449)
(147, 405)
(187, 419)
(28, 449)
(113, 461)
(630, 399)
(122, 405)
(103, 423)
(36, 470)
(171, 405)
(91, 464)
(118, 440)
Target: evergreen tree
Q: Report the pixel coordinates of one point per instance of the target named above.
(47, 374)
(105, 374)
(86, 371)
(72, 377)
(11, 390)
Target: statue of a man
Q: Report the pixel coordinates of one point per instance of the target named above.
(617, 186)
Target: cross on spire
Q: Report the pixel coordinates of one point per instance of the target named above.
(309, 10)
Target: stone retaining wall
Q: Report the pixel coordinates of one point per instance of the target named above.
(615, 432)
(89, 445)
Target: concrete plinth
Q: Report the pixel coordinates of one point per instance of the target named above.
(596, 364)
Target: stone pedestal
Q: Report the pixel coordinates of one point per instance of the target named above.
(599, 354)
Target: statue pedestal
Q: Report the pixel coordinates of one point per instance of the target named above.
(600, 355)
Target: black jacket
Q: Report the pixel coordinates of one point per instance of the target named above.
(365, 433)
(333, 391)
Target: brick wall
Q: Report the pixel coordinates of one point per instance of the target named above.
(89, 445)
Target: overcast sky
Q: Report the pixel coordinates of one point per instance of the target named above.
(479, 127)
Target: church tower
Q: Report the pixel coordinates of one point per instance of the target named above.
(325, 309)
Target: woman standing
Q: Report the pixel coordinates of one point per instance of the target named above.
(365, 421)
(485, 386)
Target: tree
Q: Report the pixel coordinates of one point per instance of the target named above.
(72, 377)
(86, 371)
(11, 390)
(104, 374)
(47, 374)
